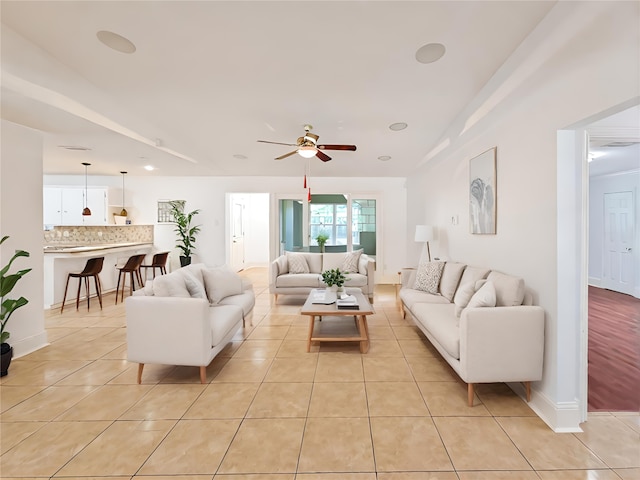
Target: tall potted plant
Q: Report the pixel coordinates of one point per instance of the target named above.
(322, 238)
(8, 306)
(186, 232)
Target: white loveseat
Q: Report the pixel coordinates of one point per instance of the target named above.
(297, 273)
(482, 322)
(186, 317)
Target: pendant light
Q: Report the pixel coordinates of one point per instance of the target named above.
(123, 212)
(85, 211)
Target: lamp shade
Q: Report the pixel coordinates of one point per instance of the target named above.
(307, 151)
(424, 233)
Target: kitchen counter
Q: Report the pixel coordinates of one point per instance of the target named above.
(58, 249)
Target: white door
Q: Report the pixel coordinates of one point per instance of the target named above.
(618, 265)
(72, 205)
(237, 235)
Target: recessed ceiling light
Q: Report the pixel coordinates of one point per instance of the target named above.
(116, 42)
(149, 168)
(78, 148)
(240, 156)
(429, 53)
(384, 158)
(396, 127)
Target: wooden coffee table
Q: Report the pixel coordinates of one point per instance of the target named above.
(360, 315)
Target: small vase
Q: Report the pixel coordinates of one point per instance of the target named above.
(333, 288)
(339, 290)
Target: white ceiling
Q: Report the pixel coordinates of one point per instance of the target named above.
(210, 78)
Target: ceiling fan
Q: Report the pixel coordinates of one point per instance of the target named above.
(307, 146)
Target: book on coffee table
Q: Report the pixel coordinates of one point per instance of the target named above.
(347, 303)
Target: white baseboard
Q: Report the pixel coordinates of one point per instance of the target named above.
(561, 418)
(29, 345)
(595, 282)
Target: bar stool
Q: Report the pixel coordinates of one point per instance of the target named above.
(91, 269)
(132, 267)
(159, 261)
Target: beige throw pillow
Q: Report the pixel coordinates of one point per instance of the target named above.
(428, 277)
(171, 285)
(484, 297)
(221, 282)
(350, 262)
(297, 263)
(463, 295)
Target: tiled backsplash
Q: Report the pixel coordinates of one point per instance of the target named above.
(96, 235)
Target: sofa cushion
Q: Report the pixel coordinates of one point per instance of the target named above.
(428, 277)
(411, 297)
(246, 301)
(283, 265)
(509, 289)
(172, 285)
(311, 280)
(441, 322)
(221, 282)
(484, 297)
(463, 295)
(363, 262)
(451, 274)
(193, 280)
(223, 318)
(473, 274)
(297, 263)
(350, 261)
(355, 280)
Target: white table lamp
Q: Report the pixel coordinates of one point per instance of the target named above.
(424, 233)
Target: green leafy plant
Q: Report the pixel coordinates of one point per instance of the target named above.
(7, 282)
(322, 238)
(186, 232)
(334, 277)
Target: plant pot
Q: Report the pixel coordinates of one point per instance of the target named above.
(6, 354)
(184, 261)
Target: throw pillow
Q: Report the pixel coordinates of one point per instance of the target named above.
(463, 295)
(428, 277)
(350, 262)
(297, 263)
(221, 282)
(171, 285)
(484, 297)
(193, 283)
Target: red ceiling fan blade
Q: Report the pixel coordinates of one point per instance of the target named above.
(323, 156)
(337, 147)
(286, 155)
(278, 143)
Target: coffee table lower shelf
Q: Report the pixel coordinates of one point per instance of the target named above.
(363, 331)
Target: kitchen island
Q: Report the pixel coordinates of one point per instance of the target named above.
(60, 260)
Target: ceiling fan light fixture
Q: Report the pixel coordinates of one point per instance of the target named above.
(307, 151)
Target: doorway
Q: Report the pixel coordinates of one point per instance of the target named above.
(247, 226)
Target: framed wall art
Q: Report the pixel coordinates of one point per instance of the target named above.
(482, 193)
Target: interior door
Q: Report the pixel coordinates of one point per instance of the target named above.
(619, 225)
(237, 236)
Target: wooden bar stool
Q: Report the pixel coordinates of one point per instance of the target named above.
(132, 267)
(91, 269)
(159, 261)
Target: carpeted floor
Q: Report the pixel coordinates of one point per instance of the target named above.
(614, 351)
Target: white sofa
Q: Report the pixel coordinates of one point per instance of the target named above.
(482, 343)
(186, 317)
(285, 279)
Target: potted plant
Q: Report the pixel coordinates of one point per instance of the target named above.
(186, 232)
(8, 306)
(322, 239)
(335, 278)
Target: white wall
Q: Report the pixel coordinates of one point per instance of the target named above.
(209, 193)
(21, 219)
(598, 187)
(576, 80)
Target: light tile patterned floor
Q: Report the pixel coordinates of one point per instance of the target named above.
(272, 411)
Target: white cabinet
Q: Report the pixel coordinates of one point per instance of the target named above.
(63, 206)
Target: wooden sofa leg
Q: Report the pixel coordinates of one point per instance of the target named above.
(470, 394)
(203, 374)
(527, 386)
(140, 368)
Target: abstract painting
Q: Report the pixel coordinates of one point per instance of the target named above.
(482, 193)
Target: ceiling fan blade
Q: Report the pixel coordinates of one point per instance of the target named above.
(286, 155)
(337, 147)
(323, 156)
(278, 143)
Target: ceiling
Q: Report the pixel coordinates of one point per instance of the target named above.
(208, 79)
